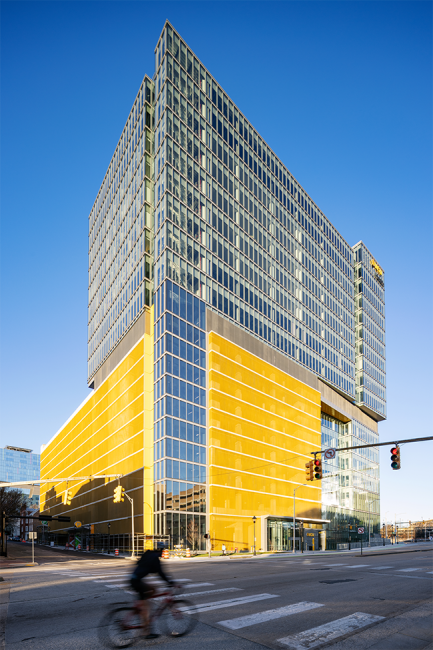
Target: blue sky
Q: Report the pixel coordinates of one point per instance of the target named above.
(342, 91)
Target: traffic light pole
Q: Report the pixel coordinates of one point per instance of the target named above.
(131, 501)
(378, 444)
(294, 515)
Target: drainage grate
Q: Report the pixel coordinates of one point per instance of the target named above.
(333, 582)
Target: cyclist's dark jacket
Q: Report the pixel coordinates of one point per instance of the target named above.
(149, 563)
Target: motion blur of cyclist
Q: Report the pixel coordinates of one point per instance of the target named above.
(147, 564)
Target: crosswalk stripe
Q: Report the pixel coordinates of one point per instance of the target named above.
(407, 570)
(325, 633)
(269, 615)
(376, 568)
(356, 566)
(110, 580)
(212, 591)
(199, 584)
(220, 604)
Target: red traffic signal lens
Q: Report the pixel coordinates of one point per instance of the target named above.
(394, 450)
(317, 462)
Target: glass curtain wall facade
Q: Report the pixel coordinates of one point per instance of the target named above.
(18, 464)
(370, 332)
(121, 235)
(234, 226)
(350, 494)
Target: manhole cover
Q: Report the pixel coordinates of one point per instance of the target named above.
(333, 582)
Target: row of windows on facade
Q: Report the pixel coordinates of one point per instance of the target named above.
(221, 198)
(256, 276)
(179, 368)
(136, 270)
(139, 171)
(229, 279)
(229, 178)
(105, 342)
(289, 275)
(119, 160)
(179, 429)
(246, 131)
(125, 308)
(118, 223)
(184, 530)
(257, 325)
(178, 408)
(183, 497)
(177, 469)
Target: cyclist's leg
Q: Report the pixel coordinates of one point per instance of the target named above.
(145, 591)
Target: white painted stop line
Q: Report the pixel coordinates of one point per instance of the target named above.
(220, 604)
(325, 633)
(269, 615)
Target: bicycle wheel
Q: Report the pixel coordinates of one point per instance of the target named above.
(177, 619)
(119, 627)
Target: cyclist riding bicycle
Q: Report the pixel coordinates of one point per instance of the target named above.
(147, 564)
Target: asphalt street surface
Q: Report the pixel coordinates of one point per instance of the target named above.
(381, 600)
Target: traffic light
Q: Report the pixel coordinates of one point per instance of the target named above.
(206, 536)
(309, 470)
(318, 469)
(67, 498)
(395, 457)
(119, 494)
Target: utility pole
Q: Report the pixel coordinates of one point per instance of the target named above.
(254, 522)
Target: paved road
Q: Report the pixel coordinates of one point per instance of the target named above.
(379, 601)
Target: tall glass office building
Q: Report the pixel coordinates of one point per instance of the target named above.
(266, 326)
(19, 464)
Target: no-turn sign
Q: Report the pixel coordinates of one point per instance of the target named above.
(361, 531)
(329, 453)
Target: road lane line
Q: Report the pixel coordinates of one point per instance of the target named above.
(199, 584)
(269, 615)
(407, 570)
(220, 604)
(325, 633)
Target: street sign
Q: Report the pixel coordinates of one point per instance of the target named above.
(33, 535)
(329, 454)
(77, 524)
(360, 531)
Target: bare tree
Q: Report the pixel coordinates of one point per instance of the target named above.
(11, 502)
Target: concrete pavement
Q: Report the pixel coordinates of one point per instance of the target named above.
(341, 600)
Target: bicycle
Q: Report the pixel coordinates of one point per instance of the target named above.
(120, 626)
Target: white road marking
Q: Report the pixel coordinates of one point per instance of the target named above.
(110, 580)
(376, 568)
(407, 570)
(269, 615)
(356, 566)
(429, 571)
(328, 632)
(211, 591)
(220, 604)
(199, 584)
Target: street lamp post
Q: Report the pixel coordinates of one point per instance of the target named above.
(294, 514)
(131, 501)
(254, 522)
(108, 526)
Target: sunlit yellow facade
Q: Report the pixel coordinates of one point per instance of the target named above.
(263, 426)
(111, 433)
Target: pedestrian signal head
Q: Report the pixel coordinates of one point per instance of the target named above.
(395, 457)
(318, 469)
(309, 470)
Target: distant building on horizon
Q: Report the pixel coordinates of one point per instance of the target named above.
(20, 464)
(232, 332)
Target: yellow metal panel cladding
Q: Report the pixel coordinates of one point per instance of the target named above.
(111, 433)
(263, 425)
